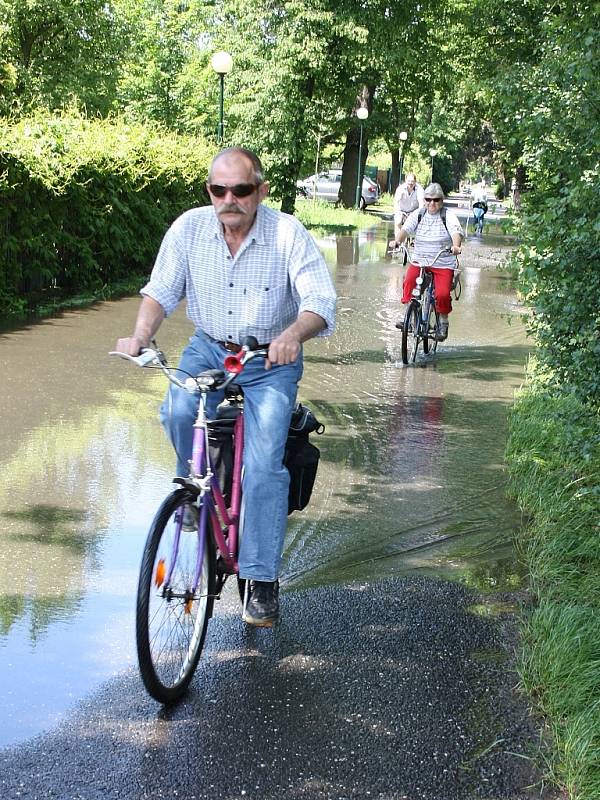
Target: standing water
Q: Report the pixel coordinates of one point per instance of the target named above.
(411, 475)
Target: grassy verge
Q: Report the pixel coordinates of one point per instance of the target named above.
(554, 462)
(321, 215)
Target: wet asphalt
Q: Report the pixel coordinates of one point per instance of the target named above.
(400, 688)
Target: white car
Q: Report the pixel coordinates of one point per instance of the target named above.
(326, 186)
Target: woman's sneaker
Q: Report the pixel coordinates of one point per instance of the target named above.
(442, 332)
(262, 607)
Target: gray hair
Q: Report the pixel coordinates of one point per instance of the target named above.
(257, 166)
(434, 190)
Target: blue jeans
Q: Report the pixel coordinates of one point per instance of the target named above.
(478, 214)
(270, 396)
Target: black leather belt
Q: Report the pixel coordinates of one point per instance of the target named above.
(234, 347)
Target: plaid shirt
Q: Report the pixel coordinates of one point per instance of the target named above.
(277, 273)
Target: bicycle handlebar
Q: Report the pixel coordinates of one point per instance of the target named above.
(447, 250)
(210, 380)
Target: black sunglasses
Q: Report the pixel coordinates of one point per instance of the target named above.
(239, 190)
(433, 199)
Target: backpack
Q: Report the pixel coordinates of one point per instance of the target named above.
(442, 215)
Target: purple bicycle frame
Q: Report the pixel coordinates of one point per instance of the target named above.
(213, 500)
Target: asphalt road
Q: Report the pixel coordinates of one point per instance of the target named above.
(402, 688)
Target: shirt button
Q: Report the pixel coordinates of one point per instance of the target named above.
(231, 285)
(230, 312)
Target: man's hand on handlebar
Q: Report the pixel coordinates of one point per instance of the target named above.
(456, 249)
(132, 345)
(283, 350)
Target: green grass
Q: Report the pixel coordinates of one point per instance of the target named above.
(321, 215)
(554, 463)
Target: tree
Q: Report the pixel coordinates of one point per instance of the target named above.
(161, 62)
(58, 50)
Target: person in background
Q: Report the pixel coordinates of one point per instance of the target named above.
(408, 197)
(437, 228)
(479, 205)
(245, 270)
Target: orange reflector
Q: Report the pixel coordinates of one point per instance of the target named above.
(159, 575)
(188, 606)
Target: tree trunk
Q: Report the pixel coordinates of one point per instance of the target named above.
(395, 172)
(352, 172)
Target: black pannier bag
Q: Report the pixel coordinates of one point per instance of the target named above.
(301, 458)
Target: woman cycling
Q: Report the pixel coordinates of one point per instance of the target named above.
(433, 229)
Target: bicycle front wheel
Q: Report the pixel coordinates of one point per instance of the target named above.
(430, 328)
(174, 601)
(410, 332)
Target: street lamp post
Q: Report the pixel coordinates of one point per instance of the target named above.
(362, 113)
(403, 138)
(433, 154)
(221, 62)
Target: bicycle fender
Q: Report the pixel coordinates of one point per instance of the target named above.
(186, 483)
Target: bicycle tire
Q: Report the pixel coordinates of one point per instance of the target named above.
(410, 332)
(171, 626)
(430, 341)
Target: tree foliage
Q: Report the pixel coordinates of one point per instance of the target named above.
(548, 112)
(57, 50)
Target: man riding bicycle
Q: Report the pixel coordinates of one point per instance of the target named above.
(244, 269)
(408, 197)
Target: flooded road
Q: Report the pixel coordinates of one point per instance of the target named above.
(411, 476)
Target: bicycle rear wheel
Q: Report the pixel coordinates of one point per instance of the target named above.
(410, 332)
(171, 618)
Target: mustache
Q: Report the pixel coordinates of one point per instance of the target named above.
(229, 208)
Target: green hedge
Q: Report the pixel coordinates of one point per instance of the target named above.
(84, 203)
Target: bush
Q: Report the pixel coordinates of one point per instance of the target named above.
(85, 202)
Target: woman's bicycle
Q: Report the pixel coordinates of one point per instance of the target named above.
(421, 321)
(193, 542)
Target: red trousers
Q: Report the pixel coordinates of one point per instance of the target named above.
(442, 282)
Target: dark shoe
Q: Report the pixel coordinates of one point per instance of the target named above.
(442, 331)
(400, 323)
(190, 518)
(262, 608)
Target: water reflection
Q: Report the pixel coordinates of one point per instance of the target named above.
(411, 475)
